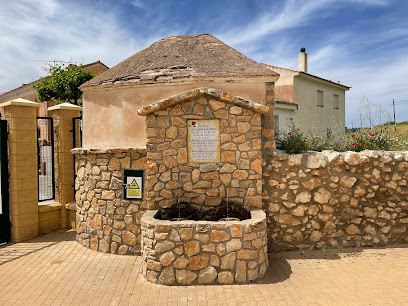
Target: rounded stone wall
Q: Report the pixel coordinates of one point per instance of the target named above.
(204, 252)
(105, 221)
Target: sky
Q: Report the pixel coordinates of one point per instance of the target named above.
(361, 43)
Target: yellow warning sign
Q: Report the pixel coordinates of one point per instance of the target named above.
(134, 185)
(134, 190)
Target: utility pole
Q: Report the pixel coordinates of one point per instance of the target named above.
(393, 106)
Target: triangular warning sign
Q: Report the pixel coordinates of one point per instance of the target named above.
(134, 185)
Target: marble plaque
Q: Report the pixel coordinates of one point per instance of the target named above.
(203, 141)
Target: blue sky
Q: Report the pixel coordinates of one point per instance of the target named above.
(361, 43)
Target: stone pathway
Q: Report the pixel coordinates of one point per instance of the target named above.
(55, 270)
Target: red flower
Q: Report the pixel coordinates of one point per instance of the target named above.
(368, 137)
(353, 144)
(363, 144)
(353, 135)
(298, 129)
(289, 133)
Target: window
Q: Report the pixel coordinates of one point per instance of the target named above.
(276, 129)
(336, 102)
(320, 98)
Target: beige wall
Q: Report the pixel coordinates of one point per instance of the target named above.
(286, 116)
(302, 89)
(110, 115)
(284, 86)
(313, 118)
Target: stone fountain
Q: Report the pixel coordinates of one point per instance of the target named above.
(204, 148)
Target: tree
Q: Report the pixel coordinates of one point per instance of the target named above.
(62, 83)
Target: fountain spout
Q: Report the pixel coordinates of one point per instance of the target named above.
(178, 207)
(227, 216)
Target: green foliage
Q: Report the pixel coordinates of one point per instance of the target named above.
(297, 142)
(294, 142)
(62, 83)
(371, 139)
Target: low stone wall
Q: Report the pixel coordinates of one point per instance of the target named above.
(335, 199)
(204, 252)
(104, 221)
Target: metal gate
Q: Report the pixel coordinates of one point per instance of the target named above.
(76, 138)
(5, 225)
(45, 154)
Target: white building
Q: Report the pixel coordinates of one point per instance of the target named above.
(308, 102)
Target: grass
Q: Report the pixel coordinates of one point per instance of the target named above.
(402, 130)
(400, 134)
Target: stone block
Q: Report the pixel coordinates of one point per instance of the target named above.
(226, 278)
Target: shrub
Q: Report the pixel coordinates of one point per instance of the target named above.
(297, 142)
(369, 140)
(293, 142)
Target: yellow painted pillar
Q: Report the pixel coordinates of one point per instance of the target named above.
(64, 159)
(22, 140)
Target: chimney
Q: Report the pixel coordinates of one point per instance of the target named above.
(302, 60)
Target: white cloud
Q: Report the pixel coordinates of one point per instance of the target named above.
(137, 3)
(41, 30)
(292, 14)
(373, 62)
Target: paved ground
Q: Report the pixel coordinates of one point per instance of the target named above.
(55, 270)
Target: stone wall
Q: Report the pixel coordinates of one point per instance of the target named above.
(335, 199)
(240, 166)
(104, 220)
(204, 252)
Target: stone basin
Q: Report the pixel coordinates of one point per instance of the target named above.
(204, 252)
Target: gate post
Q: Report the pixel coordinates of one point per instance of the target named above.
(64, 159)
(22, 126)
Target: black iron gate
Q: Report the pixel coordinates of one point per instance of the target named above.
(76, 138)
(5, 225)
(45, 150)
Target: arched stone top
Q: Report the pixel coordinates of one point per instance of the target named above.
(193, 93)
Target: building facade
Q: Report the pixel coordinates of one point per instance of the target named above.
(308, 102)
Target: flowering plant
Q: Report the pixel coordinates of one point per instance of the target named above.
(296, 141)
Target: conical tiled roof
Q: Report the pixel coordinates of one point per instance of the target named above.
(186, 56)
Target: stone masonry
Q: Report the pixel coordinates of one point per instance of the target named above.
(106, 222)
(204, 252)
(240, 166)
(333, 199)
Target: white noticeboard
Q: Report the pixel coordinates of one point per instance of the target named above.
(134, 187)
(203, 141)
